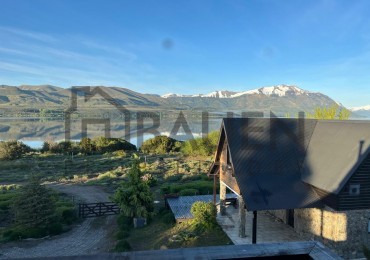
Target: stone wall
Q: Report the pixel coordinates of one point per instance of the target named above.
(345, 232)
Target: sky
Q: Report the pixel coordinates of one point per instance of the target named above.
(189, 47)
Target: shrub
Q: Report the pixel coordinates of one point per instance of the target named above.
(205, 146)
(86, 145)
(12, 150)
(12, 235)
(188, 192)
(122, 246)
(366, 252)
(168, 218)
(174, 178)
(124, 223)
(203, 187)
(150, 179)
(55, 229)
(119, 153)
(204, 214)
(109, 145)
(160, 145)
(66, 214)
(121, 234)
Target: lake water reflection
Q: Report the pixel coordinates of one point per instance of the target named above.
(34, 131)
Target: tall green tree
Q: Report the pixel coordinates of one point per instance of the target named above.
(34, 207)
(332, 112)
(134, 196)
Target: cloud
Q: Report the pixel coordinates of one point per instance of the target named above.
(109, 49)
(69, 60)
(28, 34)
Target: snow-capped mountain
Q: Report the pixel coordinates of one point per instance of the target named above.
(282, 98)
(363, 108)
(279, 90)
(363, 111)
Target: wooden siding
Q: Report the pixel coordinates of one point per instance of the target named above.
(328, 198)
(225, 176)
(361, 177)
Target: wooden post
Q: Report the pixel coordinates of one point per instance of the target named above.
(222, 198)
(242, 217)
(254, 229)
(214, 189)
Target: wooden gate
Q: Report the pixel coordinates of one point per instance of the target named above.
(92, 210)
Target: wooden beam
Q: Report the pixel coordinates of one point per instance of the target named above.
(214, 189)
(254, 228)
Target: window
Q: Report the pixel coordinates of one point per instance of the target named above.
(354, 189)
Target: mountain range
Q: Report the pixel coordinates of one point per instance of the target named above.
(280, 99)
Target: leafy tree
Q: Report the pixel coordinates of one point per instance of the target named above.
(134, 196)
(34, 207)
(333, 112)
(160, 145)
(12, 150)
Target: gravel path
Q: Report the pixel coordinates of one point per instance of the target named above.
(91, 237)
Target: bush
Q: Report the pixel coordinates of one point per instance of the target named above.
(174, 178)
(122, 246)
(366, 252)
(109, 145)
(150, 180)
(204, 214)
(64, 147)
(168, 218)
(86, 146)
(12, 150)
(160, 145)
(203, 187)
(55, 229)
(12, 235)
(122, 234)
(188, 192)
(201, 146)
(66, 214)
(119, 153)
(124, 223)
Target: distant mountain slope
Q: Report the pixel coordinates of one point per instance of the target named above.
(280, 98)
(51, 96)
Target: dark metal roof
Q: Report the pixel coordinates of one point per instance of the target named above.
(336, 150)
(267, 155)
(277, 162)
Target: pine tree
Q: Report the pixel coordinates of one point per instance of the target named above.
(134, 196)
(34, 207)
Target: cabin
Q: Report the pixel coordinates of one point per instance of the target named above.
(313, 175)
